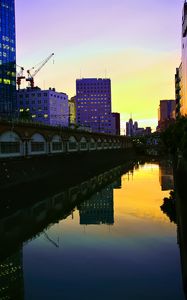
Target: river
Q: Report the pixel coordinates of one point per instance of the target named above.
(114, 244)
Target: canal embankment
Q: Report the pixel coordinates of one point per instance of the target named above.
(40, 172)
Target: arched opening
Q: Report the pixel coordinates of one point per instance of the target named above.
(105, 144)
(56, 144)
(72, 144)
(99, 144)
(92, 144)
(37, 144)
(10, 144)
(83, 144)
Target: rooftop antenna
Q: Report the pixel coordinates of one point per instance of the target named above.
(105, 73)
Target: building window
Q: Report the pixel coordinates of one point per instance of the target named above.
(83, 145)
(9, 147)
(37, 146)
(72, 145)
(56, 146)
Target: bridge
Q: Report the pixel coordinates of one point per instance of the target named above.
(23, 139)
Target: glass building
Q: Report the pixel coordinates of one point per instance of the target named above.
(7, 58)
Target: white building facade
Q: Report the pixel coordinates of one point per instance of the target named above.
(44, 106)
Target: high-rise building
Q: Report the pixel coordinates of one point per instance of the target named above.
(178, 81)
(183, 101)
(166, 113)
(116, 120)
(132, 129)
(93, 104)
(7, 59)
(45, 106)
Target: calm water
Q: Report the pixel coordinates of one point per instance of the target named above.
(116, 244)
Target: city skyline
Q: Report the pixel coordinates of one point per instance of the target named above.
(137, 45)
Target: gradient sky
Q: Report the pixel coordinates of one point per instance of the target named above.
(135, 43)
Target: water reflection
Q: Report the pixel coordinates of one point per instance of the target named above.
(175, 208)
(181, 210)
(11, 277)
(166, 175)
(132, 258)
(99, 209)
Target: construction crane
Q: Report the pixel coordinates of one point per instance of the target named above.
(56, 244)
(30, 77)
(19, 76)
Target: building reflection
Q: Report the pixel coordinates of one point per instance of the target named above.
(166, 175)
(19, 225)
(11, 277)
(99, 209)
(175, 207)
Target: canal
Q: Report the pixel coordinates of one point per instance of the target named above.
(114, 244)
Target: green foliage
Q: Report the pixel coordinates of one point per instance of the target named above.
(175, 137)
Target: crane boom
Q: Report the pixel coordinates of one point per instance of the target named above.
(30, 77)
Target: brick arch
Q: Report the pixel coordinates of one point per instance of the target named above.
(11, 144)
(72, 144)
(56, 144)
(83, 144)
(11, 132)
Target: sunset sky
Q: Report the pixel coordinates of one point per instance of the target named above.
(135, 43)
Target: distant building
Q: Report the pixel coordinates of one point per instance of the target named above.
(7, 59)
(116, 126)
(93, 104)
(132, 129)
(72, 110)
(166, 114)
(148, 130)
(44, 106)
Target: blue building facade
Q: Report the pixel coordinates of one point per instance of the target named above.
(93, 104)
(7, 59)
(44, 106)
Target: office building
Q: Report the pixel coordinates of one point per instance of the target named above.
(72, 110)
(116, 124)
(45, 106)
(7, 59)
(93, 104)
(132, 129)
(183, 100)
(166, 114)
(178, 85)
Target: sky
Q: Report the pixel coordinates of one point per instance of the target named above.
(135, 43)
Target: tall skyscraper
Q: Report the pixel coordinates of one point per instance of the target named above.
(7, 58)
(93, 104)
(178, 79)
(116, 120)
(183, 101)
